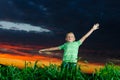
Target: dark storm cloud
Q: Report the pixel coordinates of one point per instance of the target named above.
(67, 15)
(60, 13)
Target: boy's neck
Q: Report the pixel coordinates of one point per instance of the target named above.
(69, 41)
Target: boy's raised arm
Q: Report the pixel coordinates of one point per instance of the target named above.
(49, 49)
(95, 27)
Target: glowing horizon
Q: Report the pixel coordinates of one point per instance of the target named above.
(10, 55)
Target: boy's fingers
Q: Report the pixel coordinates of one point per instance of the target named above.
(97, 24)
(40, 51)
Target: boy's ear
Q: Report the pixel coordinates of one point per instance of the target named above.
(74, 39)
(65, 39)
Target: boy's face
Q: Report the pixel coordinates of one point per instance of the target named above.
(70, 37)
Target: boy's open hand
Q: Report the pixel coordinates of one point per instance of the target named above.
(41, 51)
(96, 26)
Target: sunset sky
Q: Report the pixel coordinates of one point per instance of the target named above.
(29, 25)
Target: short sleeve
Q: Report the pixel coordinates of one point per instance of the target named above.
(61, 47)
(79, 42)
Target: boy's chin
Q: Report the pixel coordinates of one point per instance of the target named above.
(69, 41)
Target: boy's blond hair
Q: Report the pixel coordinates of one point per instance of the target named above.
(70, 33)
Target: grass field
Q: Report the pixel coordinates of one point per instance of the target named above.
(54, 72)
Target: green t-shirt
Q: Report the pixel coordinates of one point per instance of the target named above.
(70, 51)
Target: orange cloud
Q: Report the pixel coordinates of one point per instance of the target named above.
(16, 56)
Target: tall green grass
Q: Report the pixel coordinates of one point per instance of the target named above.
(54, 72)
(109, 72)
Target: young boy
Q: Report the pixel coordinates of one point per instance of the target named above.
(71, 47)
